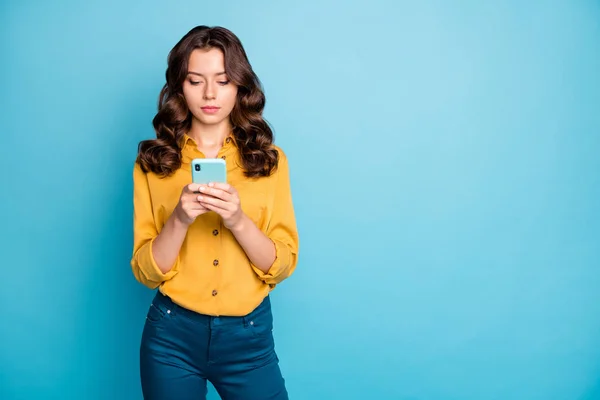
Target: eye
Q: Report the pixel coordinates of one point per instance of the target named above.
(194, 83)
(223, 83)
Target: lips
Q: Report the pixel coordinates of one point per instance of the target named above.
(210, 109)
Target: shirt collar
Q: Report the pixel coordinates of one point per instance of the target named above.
(227, 142)
(189, 147)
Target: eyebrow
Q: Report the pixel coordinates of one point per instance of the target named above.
(199, 74)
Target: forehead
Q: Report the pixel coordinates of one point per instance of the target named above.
(206, 62)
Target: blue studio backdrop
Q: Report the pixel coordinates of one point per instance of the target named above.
(445, 170)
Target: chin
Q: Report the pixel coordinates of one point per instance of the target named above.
(210, 120)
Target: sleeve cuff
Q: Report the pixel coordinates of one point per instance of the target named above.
(148, 266)
(280, 265)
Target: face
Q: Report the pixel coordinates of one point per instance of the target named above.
(207, 90)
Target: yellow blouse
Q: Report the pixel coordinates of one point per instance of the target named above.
(212, 274)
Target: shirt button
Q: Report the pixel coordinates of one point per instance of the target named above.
(223, 157)
(214, 292)
(216, 262)
(228, 140)
(215, 232)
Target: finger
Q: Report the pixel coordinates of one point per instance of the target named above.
(191, 201)
(192, 188)
(215, 192)
(213, 201)
(194, 206)
(226, 187)
(212, 207)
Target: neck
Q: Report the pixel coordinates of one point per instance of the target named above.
(209, 136)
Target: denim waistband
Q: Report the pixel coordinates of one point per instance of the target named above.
(264, 308)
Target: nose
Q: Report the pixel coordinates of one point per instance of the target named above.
(209, 92)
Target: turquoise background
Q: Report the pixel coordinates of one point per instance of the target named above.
(445, 165)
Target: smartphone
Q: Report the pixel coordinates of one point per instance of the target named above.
(206, 170)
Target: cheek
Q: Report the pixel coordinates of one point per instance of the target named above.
(188, 98)
(191, 97)
(230, 98)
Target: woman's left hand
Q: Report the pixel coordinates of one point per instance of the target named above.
(223, 199)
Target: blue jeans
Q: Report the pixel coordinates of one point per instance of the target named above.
(181, 350)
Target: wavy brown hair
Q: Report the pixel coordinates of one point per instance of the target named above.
(252, 134)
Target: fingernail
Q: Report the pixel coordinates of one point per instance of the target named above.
(211, 184)
(199, 198)
(202, 188)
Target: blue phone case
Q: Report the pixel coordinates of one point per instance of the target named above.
(206, 170)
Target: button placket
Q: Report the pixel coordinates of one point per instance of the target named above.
(216, 232)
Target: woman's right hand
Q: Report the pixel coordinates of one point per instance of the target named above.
(189, 208)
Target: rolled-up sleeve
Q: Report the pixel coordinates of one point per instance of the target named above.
(145, 231)
(281, 228)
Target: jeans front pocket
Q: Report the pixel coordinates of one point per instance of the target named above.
(154, 315)
(260, 323)
(261, 327)
(157, 312)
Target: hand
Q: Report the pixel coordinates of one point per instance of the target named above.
(223, 199)
(189, 208)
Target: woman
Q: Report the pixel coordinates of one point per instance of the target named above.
(214, 251)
